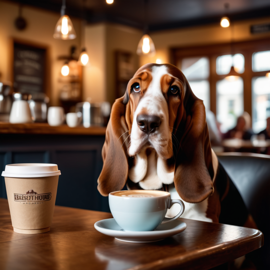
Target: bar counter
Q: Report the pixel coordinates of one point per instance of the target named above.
(44, 128)
(76, 151)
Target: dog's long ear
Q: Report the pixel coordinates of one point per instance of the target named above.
(115, 165)
(193, 168)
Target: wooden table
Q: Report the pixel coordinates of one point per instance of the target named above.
(73, 243)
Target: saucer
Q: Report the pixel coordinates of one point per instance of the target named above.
(111, 228)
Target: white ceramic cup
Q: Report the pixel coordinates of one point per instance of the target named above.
(20, 112)
(142, 210)
(73, 119)
(56, 116)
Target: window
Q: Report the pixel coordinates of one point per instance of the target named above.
(224, 63)
(196, 70)
(261, 102)
(261, 61)
(206, 67)
(229, 102)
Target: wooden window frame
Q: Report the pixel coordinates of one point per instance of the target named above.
(212, 51)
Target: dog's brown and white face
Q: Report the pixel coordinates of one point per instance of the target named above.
(154, 94)
(157, 121)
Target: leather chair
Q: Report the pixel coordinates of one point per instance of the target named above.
(251, 175)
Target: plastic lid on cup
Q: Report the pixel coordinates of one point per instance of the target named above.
(31, 170)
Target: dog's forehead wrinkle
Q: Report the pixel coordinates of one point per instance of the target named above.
(155, 87)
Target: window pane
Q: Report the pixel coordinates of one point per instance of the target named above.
(195, 68)
(261, 61)
(201, 90)
(260, 102)
(224, 63)
(229, 102)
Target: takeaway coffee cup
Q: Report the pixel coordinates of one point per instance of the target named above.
(142, 210)
(31, 191)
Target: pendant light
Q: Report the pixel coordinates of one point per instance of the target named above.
(225, 21)
(65, 69)
(232, 75)
(83, 58)
(64, 28)
(146, 44)
(20, 21)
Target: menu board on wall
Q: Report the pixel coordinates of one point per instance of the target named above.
(29, 68)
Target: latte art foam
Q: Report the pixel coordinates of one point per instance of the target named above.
(138, 195)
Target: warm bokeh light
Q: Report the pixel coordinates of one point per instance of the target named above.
(232, 78)
(64, 29)
(109, 1)
(268, 75)
(64, 26)
(225, 22)
(232, 75)
(158, 61)
(146, 45)
(84, 58)
(65, 70)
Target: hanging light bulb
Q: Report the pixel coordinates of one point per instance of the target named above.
(268, 75)
(64, 28)
(146, 45)
(84, 58)
(225, 22)
(232, 75)
(65, 69)
(109, 1)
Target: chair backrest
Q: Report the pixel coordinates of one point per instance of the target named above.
(251, 175)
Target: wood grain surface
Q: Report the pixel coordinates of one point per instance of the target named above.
(73, 243)
(44, 128)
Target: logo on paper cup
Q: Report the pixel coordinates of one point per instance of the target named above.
(32, 196)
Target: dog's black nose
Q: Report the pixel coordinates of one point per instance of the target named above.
(148, 123)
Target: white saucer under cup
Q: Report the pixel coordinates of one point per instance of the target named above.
(111, 228)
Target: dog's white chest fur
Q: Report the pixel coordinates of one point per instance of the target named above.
(150, 171)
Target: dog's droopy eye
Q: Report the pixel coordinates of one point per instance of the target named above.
(174, 89)
(135, 87)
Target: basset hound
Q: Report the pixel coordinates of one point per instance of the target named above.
(157, 138)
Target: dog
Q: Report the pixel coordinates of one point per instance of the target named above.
(157, 138)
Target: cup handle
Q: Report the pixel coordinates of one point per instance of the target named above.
(173, 201)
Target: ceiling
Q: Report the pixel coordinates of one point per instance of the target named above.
(162, 14)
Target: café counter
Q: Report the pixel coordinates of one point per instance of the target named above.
(76, 151)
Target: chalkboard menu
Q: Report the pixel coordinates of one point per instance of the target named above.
(29, 68)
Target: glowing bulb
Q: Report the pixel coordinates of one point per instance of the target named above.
(158, 61)
(232, 78)
(109, 1)
(268, 75)
(146, 45)
(84, 58)
(224, 22)
(64, 26)
(65, 70)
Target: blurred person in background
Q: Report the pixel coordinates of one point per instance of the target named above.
(266, 132)
(242, 129)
